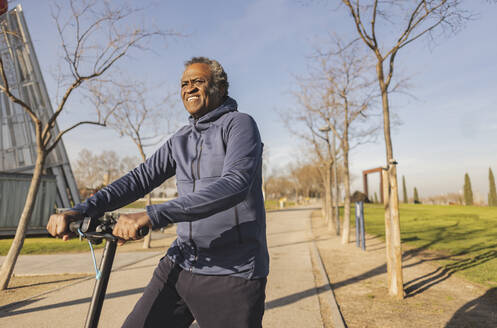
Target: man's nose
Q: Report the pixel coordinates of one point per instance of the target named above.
(191, 88)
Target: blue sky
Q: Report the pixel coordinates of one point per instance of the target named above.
(449, 126)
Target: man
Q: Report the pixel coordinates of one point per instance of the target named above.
(216, 269)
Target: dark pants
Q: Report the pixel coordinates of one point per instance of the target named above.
(175, 297)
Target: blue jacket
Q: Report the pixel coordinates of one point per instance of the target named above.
(219, 211)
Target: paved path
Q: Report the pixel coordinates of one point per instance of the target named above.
(291, 295)
(76, 262)
(73, 263)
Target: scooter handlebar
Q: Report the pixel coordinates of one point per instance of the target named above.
(75, 225)
(89, 225)
(142, 232)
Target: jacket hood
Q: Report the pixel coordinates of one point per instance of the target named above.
(204, 122)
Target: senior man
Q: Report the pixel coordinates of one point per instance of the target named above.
(216, 269)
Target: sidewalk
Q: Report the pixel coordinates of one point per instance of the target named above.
(291, 299)
(291, 293)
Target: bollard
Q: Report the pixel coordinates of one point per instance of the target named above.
(357, 235)
(360, 232)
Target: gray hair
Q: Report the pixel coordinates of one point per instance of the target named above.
(219, 76)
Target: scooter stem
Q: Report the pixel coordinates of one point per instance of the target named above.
(98, 297)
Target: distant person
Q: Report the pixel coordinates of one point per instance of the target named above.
(216, 269)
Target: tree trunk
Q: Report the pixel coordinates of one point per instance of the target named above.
(336, 198)
(346, 203)
(11, 258)
(323, 207)
(148, 238)
(335, 215)
(388, 228)
(326, 200)
(329, 198)
(396, 286)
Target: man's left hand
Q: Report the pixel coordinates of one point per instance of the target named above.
(128, 225)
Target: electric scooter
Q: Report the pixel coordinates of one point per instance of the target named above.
(95, 231)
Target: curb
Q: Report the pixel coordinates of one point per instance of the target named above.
(336, 316)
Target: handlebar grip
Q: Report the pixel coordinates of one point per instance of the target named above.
(75, 225)
(142, 232)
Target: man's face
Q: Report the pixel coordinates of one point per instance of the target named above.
(195, 86)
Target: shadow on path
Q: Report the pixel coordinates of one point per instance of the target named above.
(444, 272)
(440, 274)
(284, 232)
(289, 299)
(297, 242)
(49, 282)
(368, 274)
(480, 312)
(10, 310)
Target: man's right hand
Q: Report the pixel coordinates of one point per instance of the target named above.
(58, 224)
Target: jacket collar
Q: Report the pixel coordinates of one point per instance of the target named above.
(203, 123)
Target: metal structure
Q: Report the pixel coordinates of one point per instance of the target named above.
(17, 135)
(13, 191)
(365, 181)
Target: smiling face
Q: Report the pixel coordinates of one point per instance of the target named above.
(196, 84)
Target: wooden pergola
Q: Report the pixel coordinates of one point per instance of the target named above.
(365, 181)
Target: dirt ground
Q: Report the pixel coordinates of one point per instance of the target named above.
(23, 287)
(434, 296)
(27, 286)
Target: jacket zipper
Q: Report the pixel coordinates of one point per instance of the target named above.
(197, 156)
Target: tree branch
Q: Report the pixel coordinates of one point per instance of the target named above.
(61, 133)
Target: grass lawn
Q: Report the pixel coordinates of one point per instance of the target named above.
(464, 237)
(274, 204)
(47, 245)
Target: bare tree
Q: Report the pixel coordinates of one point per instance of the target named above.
(87, 176)
(94, 170)
(94, 37)
(127, 163)
(305, 122)
(279, 186)
(413, 20)
(346, 85)
(137, 117)
(336, 94)
(306, 177)
(108, 164)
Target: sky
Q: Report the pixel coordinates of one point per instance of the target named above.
(449, 119)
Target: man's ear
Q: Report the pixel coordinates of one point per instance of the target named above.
(222, 91)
